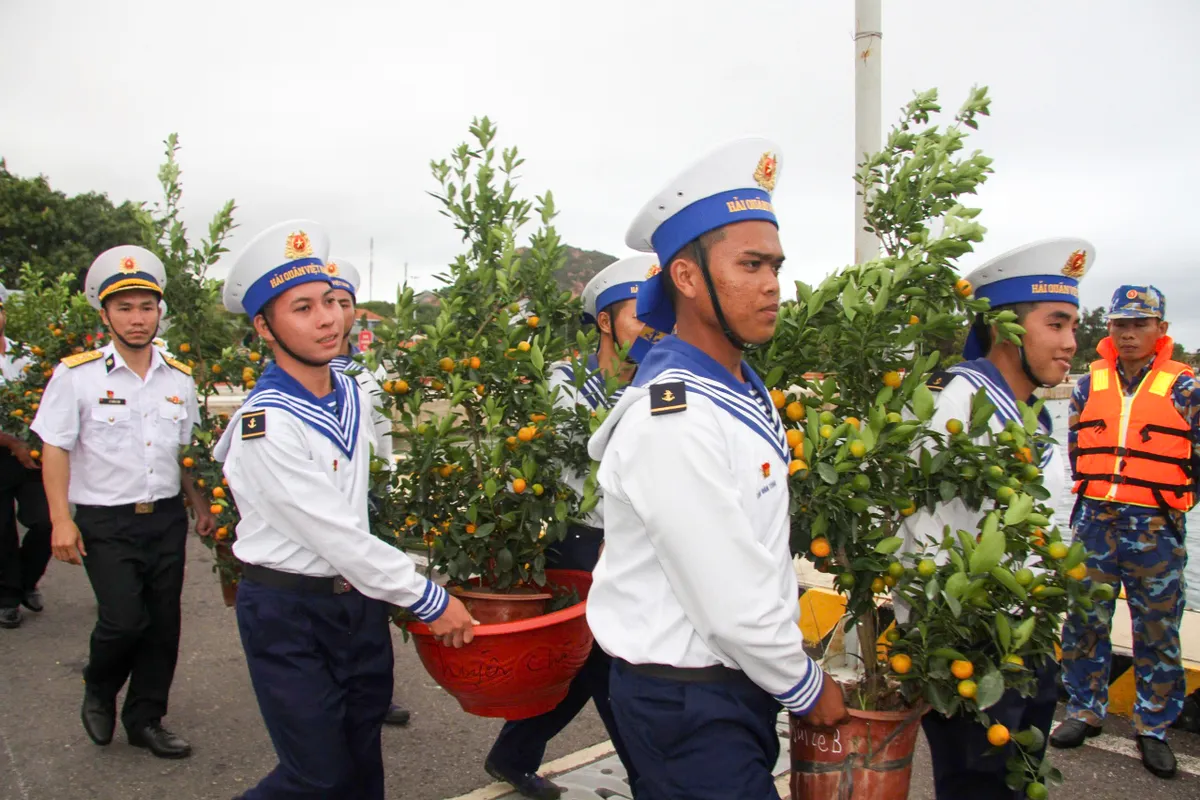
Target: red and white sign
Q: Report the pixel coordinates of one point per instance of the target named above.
(364, 339)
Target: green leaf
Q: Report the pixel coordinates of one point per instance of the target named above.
(1006, 579)
(1018, 510)
(560, 511)
(948, 653)
(489, 488)
(504, 560)
(991, 689)
(988, 553)
(1023, 632)
(947, 491)
(932, 589)
(535, 356)
(956, 584)
(889, 545)
(922, 403)
(938, 696)
(774, 376)
(1004, 632)
(827, 472)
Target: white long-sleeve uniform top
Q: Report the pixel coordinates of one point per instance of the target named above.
(952, 397)
(591, 396)
(11, 365)
(301, 489)
(697, 570)
(381, 424)
(123, 432)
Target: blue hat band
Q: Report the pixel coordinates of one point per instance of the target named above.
(280, 279)
(702, 216)
(642, 345)
(613, 294)
(1031, 289)
(709, 214)
(342, 283)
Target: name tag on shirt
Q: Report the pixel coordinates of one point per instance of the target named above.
(112, 401)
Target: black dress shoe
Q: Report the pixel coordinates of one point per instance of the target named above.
(158, 740)
(527, 784)
(33, 600)
(99, 717)
(396, 716)
(1072, 733)
(1157, 756)
(10, 618)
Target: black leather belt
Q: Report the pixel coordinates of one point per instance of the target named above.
(717, 673)
(292, 582)
(587, 532)
(138, 508)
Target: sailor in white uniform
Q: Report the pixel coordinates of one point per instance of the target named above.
(609, 303)
(695, 595)
(312, 606)
(1040, 282)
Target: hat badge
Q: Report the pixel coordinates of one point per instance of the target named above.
(1131, 294)
(298, 246)
(1076, 264)
(331, 269)
(654, 270)
(764, 173)
(128, 264)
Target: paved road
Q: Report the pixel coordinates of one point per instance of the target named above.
(44, 754)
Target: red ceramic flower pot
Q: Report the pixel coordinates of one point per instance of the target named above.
(514, 670)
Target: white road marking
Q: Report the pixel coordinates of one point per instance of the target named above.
(1122, 746)
(567, 763)
(21, 787)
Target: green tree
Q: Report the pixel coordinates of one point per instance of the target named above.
(1092, 328)
(380, 307)
(57, 234)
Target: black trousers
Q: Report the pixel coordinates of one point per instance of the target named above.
(135, 563)
(22, 561)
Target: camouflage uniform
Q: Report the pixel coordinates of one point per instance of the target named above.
(1137, 547)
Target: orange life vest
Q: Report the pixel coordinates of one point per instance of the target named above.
(1135, 449)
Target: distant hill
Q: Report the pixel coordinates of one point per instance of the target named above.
(581, 267)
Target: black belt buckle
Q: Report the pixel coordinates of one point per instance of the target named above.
(143, 508)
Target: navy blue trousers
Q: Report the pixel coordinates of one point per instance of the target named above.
(697, 741)
(521, 745)
(321, 666)
(963, 765)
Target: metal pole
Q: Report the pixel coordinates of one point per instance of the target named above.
(868, 132)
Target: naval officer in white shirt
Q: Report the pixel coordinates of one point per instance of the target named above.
(312, 606)
(113, 421)
(695, 596)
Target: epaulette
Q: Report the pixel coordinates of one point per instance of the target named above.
(938, 380)
(254, 424)
(668, 398)
(73, 361)
(159, 343)
(179, 365)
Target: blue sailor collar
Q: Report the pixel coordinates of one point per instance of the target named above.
(335, 416)
(673, 359)
(982, 374)
(592, 393)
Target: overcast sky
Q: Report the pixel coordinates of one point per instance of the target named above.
(333, 111)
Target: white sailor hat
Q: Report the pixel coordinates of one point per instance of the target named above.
(282, 256)
(732, 184)
(1047, 271)
(618, 281)
(123, 268)
(343, 275)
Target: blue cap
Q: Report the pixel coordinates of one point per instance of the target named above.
(283, 256)
(732, 184)
(1137, 302)
(1048, 271)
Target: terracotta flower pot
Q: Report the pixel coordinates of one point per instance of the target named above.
(229, 592)
(868, 758)
(517, 669)
(492, 608)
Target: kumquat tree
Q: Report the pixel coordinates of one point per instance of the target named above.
(985, 604)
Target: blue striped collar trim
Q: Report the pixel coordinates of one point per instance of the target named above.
(339, 424)
(982, 374)
(675, 360)
(593, 390)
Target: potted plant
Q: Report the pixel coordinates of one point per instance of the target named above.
(479, 483)
(865, 458)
